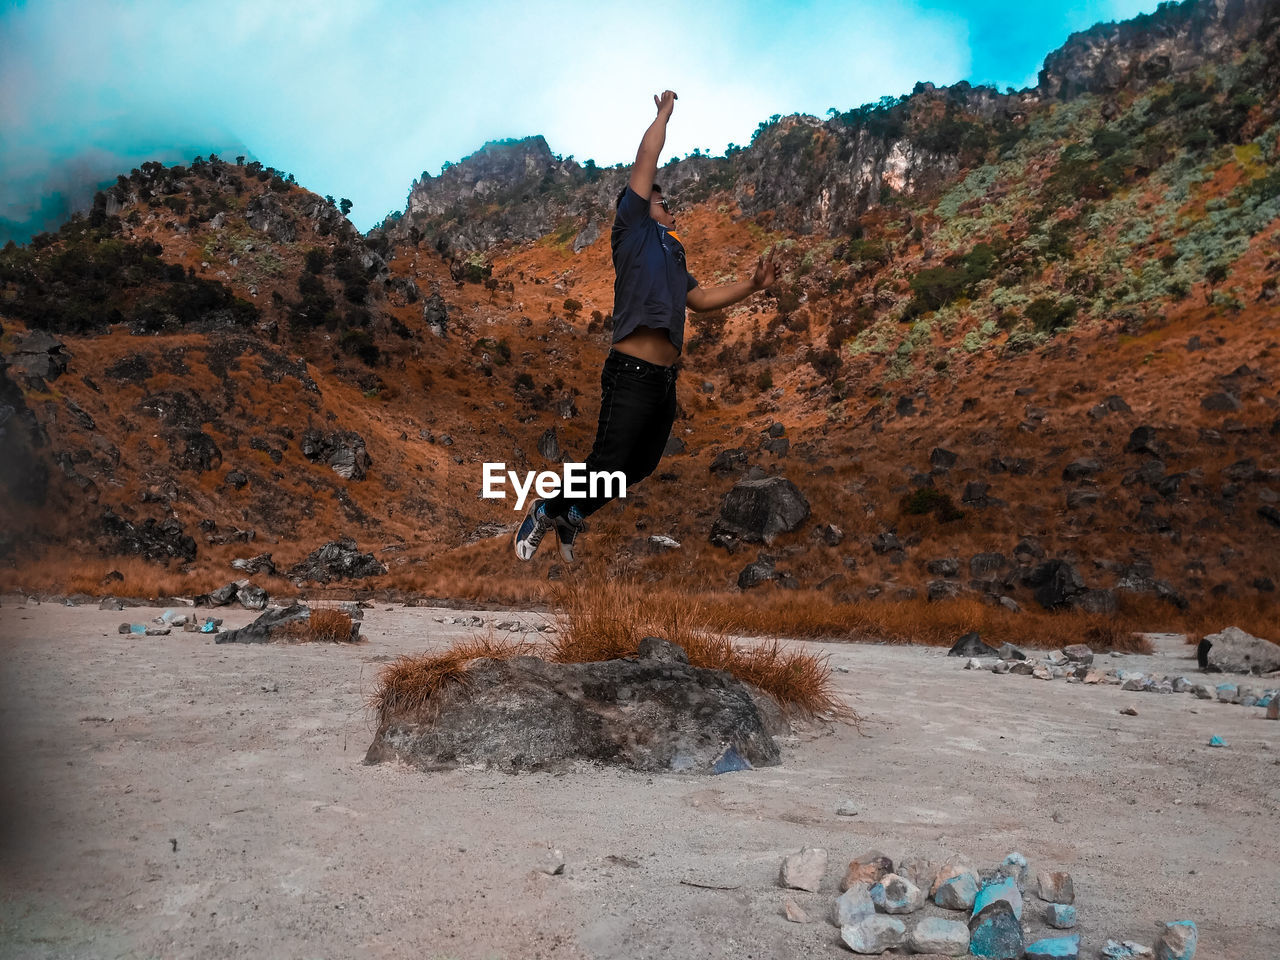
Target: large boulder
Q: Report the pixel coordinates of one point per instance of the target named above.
(265, 213)
(1234, 651)
(277, 623)
(1056, 583)
(39, 355)
(156, 541)
(656, 715)
(759, 510)
(336, 560)
(343, 450)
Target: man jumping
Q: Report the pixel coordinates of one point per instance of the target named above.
(651, 289)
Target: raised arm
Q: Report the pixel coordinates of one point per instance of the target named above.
(713, 298)
(645, 168)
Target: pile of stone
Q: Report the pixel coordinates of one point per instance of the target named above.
(250, 595)
(955, 910)
(1075, 664)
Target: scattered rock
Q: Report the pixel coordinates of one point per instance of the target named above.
(791, 910)
(758, 572)
(218, 598)
(831, 535)
(1055, 582)
(758, 510)
(1081, 469)
(1008, 651)
(847, 808)
(1003, 888)
(344, 451)
(1128, 950)
(1015, 866)
(1078, 653)
(944, 567)
(1234, 651)
(957, 892)
(1177, 941)
(994, 932)
(336, 560)
(943, 590)
(896, 894)
(262, 563)
(918, 870)
(804, 870)
(875, 934)
(1128, 711)
(938, 935)
(867, 868)
(1060, 916)
(1055, 948)
(886, 542)
(1054, 886)
(853, 906)
(251, 596)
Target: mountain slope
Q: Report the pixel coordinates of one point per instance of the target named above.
(1055, 310)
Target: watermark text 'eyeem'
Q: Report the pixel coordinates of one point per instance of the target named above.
(575, 483)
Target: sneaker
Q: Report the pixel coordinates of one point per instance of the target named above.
(532, 529)
(566, 530)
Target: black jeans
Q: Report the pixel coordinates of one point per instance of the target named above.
(637, 409)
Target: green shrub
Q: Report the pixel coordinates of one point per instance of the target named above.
(1048, 314)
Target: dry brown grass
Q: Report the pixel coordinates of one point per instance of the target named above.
(407, 684)
(607, 619)
(816, 615)
(322, 626)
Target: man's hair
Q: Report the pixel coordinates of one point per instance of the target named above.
(623, 192)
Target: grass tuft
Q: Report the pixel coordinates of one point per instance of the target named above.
(607, 619)
(407, 684)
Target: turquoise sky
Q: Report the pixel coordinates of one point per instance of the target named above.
(356, 99)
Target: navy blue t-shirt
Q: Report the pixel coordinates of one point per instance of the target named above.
(650, 276)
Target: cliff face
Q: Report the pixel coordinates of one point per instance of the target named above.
(1176, 39)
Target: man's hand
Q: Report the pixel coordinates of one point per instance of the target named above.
(766, 273)
(646, 165)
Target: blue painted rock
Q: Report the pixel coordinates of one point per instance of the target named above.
(853, 906)
(958, 893)
(1177, 941)
(1015, 865)
(995, 932)
(876, 934)
(1227, 692)
(1054, 886)
(1060, 916)
(1005, 888)
(1217, 742)
(895, 894)
(937, 935)
(1055, 948)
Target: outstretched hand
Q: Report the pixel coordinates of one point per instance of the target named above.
(766, 272)
(665, 102)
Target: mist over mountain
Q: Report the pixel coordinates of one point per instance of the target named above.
(42, 190)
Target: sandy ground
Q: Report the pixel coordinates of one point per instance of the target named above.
(169, 797)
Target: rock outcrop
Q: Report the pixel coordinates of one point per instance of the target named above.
(525, 713)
